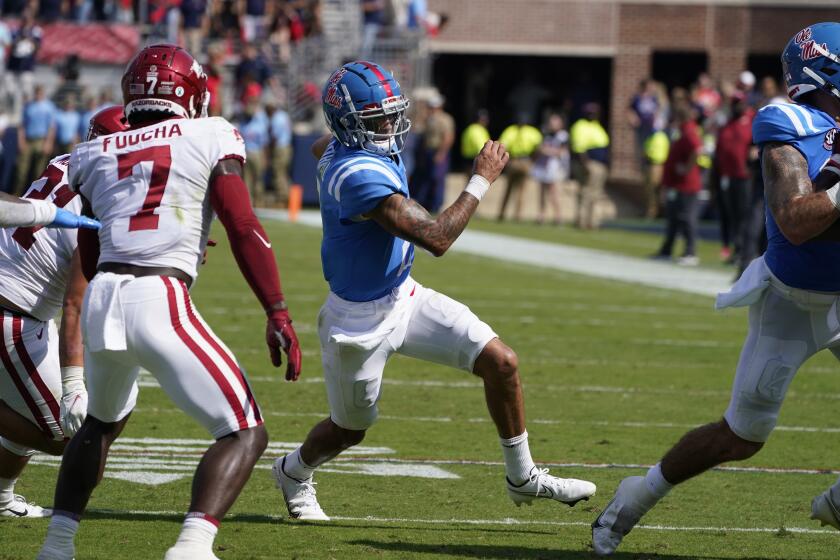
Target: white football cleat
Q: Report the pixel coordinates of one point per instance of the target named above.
(19, 507)
(631, 501)
(824, 510)
(542, 485)
(181, 552)
(299, 494)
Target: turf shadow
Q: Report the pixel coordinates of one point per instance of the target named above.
(501, 551)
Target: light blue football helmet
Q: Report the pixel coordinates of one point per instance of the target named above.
(811, 60)
(356, 98)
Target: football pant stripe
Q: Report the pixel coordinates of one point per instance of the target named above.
(8, 337)
(34, 375)
(206, 361)
(217, 345)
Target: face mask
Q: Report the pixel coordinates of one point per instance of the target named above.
(381, 147)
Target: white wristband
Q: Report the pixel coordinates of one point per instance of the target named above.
(44, 212)
(834, 195)
(478, 186)
(72, 378)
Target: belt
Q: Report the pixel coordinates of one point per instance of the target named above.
(140, 271)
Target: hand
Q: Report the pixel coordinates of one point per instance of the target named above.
(65, 219)
(280, 334)
(210, 243)
(74, 400)
(491, 160)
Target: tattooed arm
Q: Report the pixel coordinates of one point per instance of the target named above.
(800, 212)
(406, 219)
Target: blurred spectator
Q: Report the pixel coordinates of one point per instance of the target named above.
(224, 21)
(522, 141)
(253, 20)
(769, 93)
(655, 153)
(746, 85)
(280, 33)
(732, 168)
(124, 11)
(49, 11)
(69, 80)
(254, 127)
(5, 44)
(67, 125)
(682, 181)
(36, 137)
(26, 40)
(590, 155)
(428, 181)
(475, 135)
(253, 70)
(552, 165)
(214, 70)
(194, 24)
(91, 107)
(705, 95)
(279, 149)
(417, 13)
(372, 15)
(642, 114)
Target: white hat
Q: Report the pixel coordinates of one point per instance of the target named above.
(747, 78)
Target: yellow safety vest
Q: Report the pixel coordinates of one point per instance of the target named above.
(521, 140)
(473, 139)
(657, 147)
(588, 135)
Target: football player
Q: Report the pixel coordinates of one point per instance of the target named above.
(375, 307)
(43, 398)
(793, 290)
(155, 189)
(32, 212)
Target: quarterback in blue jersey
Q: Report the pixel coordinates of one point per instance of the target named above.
(793, 290)
(376, 309)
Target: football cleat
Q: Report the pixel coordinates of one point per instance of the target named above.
(181, 552)
(631, 501)
(824, 510)
(299, 494)
(542, 485)
(19, 507)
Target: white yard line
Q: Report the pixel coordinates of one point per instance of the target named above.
(589, 262)
(508, 521)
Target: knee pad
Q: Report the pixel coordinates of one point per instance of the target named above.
(754, 411)
(16, 449)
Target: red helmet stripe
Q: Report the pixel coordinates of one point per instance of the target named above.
(380, 76)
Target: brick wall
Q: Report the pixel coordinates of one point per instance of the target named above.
(527, 21)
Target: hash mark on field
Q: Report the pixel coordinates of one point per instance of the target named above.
(508, 521)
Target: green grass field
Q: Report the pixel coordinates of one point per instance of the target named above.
(614, 374)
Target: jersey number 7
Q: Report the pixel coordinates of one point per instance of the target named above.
(25, 236)
(161, 159)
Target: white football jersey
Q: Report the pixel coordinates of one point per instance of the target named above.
(35, 261)
(149, 188)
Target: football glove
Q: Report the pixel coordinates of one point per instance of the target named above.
(280, 334)
(65, 219)
(74, 400)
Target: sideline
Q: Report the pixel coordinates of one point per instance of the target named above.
(578, 260)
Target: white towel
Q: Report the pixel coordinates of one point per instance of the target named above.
(749, 287)
(103, 319)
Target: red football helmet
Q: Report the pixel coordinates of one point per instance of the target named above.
(106, 121)
(165, 78)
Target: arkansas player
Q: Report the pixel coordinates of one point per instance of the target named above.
(43, 395)
(155, 188)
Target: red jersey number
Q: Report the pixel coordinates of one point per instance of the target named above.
(25, 236)
(161, 159)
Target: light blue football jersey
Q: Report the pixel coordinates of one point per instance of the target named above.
(813, 265)
(361, 260)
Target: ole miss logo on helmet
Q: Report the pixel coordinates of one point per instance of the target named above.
(808, 48)
(332, 97)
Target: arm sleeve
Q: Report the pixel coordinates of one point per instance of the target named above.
(248, 240)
